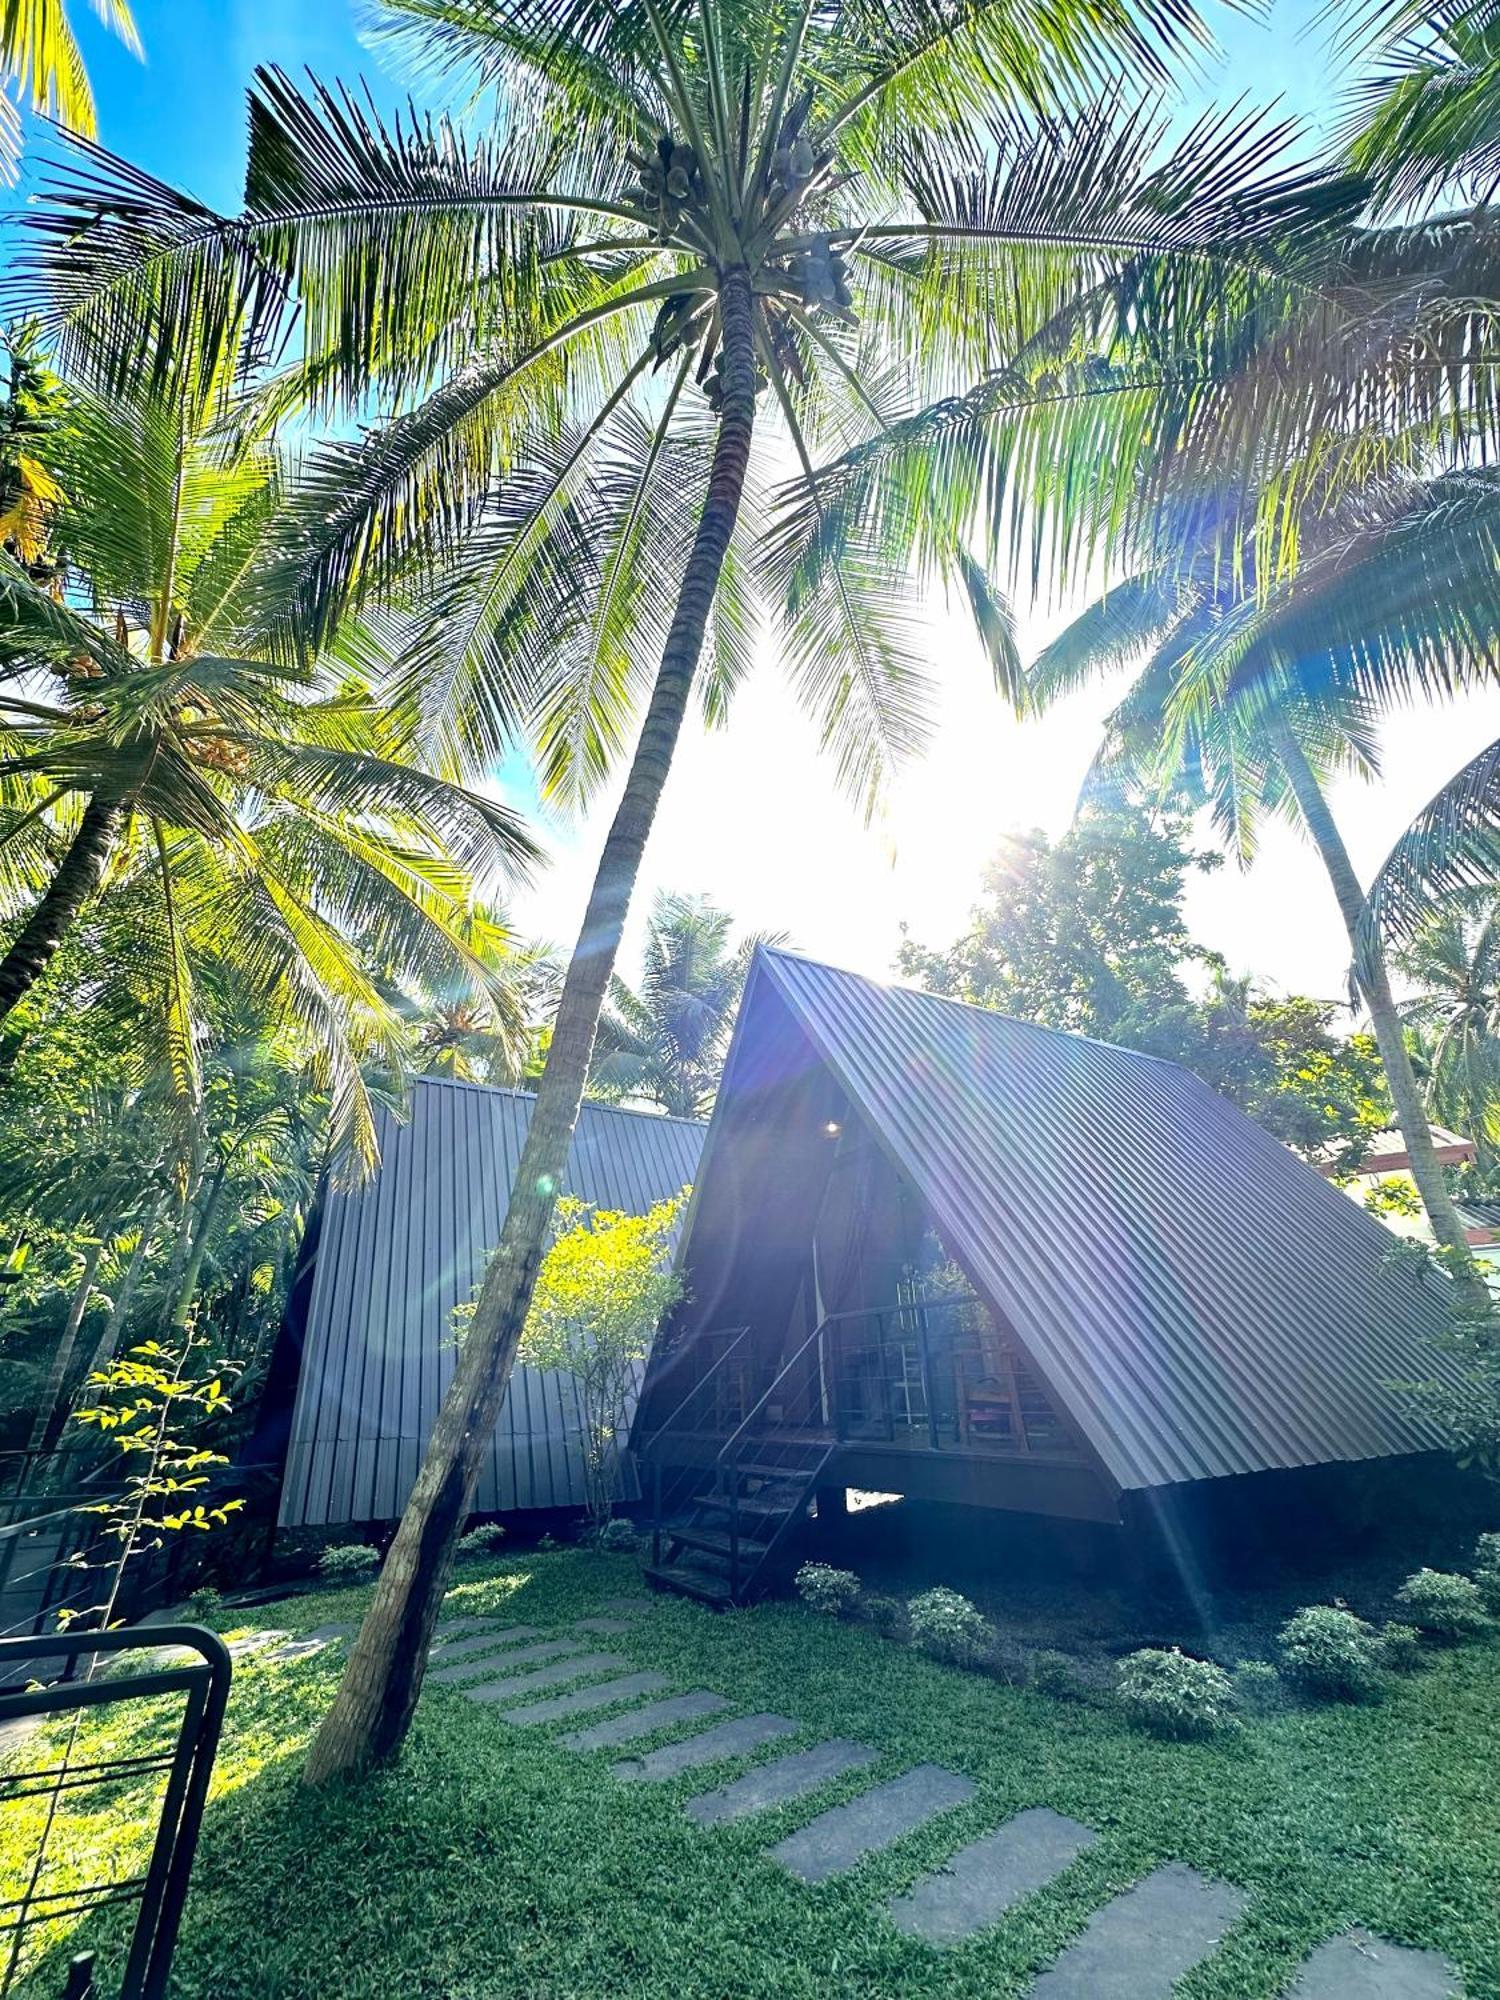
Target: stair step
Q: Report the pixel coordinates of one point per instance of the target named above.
(691, 1583)
(760, 1506)
(716, 1542)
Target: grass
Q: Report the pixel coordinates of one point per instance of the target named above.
(494, 1865)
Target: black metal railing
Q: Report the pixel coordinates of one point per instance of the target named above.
(930, 1371)
(715, 1398)
(184, 1763)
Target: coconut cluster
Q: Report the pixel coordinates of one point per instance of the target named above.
(669, 182)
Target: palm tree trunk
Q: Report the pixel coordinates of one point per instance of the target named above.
(104, 1349)
(77, 878)
(373, 1708)
(1385, 1019)
(52, 1408)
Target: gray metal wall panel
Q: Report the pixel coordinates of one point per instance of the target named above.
(394, 1259)
(1203, 1302)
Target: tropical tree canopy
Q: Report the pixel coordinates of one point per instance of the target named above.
(665, 1040)
(258, 814)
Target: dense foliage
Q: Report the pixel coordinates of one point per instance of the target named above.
(1168, 1692)
(1089, 934)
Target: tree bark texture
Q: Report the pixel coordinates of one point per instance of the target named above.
(373, 1708)
(78, 876)
(1385, 1020)
(52, 1410)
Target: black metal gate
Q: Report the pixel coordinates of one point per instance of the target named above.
(185, 1761)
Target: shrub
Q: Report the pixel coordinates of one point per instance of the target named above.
(1055, 1674)
(834, 1592)
(1487, 1570)
(1329, 1651)
(946, 1625)
(484, 1540)
(618, 1537)
(348, 1562)
(1400, 1648)
(546, 1544)
(1443, 1602)
(205, 1602)
(886, 1614)
(1258, 1687)
(1172, 1694)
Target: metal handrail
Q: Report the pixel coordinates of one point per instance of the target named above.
(755, 1409)
(162, 1889)
(703, 1333)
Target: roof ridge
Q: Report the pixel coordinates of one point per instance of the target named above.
(588, 1104)
(973, 1007)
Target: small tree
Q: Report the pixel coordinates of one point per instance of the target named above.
(143, 1398)
(603, 1286)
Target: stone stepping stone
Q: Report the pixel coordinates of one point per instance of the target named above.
(646, 1721)
(1140, 1944)
(521, 1656)
(311, 1642)
(983, 1879)
(729, 1739)
(481, 1642)
(837, 1839)
(254, 1642)
(610, 1627)
(516, 1687)
(1357, 1966)
(775, 1784)
(600, 1695)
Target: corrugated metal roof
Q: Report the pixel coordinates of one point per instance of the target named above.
(1199, 1300)
(393, 1260)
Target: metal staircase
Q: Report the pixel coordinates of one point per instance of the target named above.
(728, 1498)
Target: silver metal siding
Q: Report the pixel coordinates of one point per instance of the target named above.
(394, 1259)
(1202, 1302)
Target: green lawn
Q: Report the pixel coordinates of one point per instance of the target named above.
(493, 1863)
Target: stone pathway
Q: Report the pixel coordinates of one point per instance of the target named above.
(468, 1663)
(1135, 1947)
(836, 1839)
(714, 1746)
(779, 1783)
(1356, 1966)
(645, 1721)
(982, 1880)
(1142, 1942)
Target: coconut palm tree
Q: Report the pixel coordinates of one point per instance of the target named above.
(665, 1041)
(1257, 692)
(1453, 965)
(1424, 123)
(265, 812)
(41, 63)
(798, 218)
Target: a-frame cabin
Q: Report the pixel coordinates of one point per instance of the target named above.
(938, 1252)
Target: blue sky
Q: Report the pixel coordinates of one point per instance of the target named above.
(750, 816)
(181, 114)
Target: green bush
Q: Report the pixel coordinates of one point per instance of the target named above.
(205, 1602)
(1487, 1570)
(1329, 1651)
(484, 1540)
(1442, 1602)
(834, 1592)
(1400, 1648)
(886, 1614)
(347, 1562)
(618, 1537)
(1258, 1687)
(1172, 1694)
(1055, 1674)
(946, 1625)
